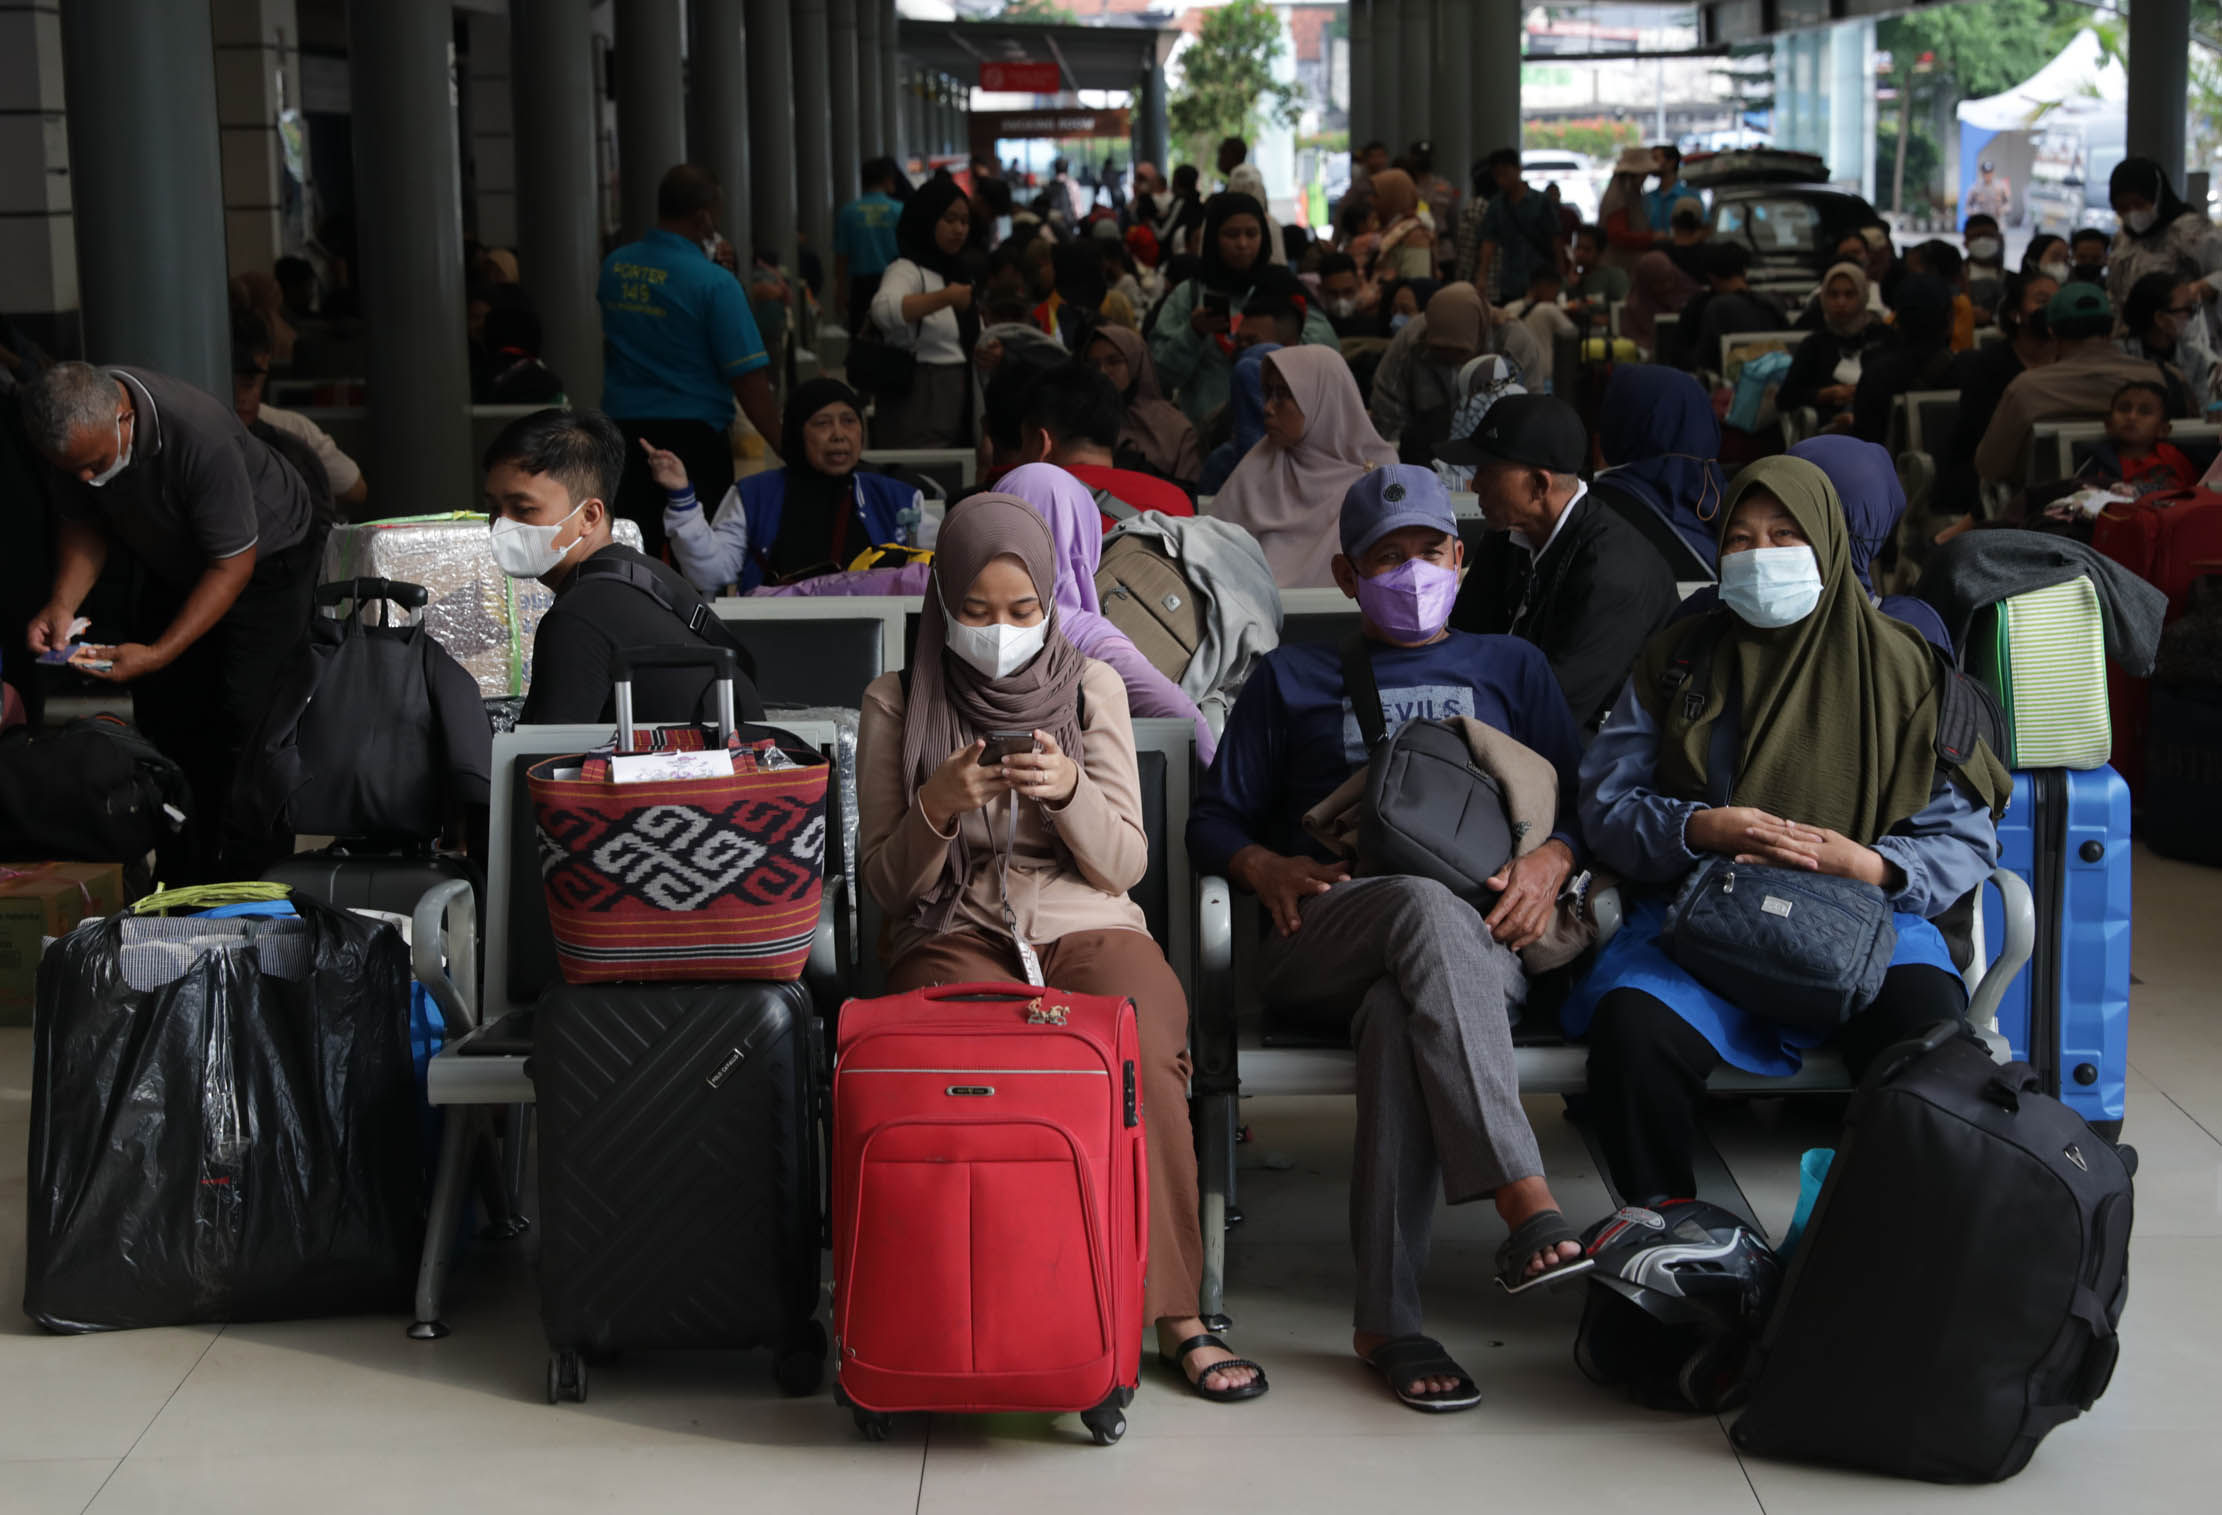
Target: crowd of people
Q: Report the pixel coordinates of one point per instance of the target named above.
(1307, 408)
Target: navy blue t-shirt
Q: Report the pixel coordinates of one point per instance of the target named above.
(1292, 738)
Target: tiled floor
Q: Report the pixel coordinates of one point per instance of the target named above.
(348, 1415)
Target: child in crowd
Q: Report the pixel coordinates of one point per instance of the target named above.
(2135, 459)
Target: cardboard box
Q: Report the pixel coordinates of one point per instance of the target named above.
(38, 900)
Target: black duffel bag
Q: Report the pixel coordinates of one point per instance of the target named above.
(93, 791)
(223, 1122)
(1957, 1291)
(1429, 811)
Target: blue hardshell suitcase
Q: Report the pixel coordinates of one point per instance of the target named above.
(2067, 1012)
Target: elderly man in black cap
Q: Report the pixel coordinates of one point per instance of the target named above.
(1557, 569)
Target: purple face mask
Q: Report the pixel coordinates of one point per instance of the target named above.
(1411, 602)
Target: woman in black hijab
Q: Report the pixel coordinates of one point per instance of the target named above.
(1920, 358)
(2160, 234)
(924, 307)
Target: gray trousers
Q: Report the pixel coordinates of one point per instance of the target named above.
(1438, 1090)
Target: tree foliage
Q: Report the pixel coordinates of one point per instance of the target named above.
(1227, 88)
(1046, 11)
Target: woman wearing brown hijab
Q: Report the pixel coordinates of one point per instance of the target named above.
(1287, 491)
(969, 859)
(1406, 249)
(1155, 429)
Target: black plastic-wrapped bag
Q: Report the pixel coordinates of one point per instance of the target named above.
(223, 1122)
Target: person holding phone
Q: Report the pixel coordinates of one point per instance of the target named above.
(1192, 342)
(924, 305)
(999, 829)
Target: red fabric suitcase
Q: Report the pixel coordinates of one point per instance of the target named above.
(990, 1205)
(2164, 539)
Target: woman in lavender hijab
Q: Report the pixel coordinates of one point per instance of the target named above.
(1070, 509)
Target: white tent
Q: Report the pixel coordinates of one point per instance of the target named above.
(2080, 83)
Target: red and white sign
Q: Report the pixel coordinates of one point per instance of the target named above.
(1022, 78)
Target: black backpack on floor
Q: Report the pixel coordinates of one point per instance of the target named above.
(1957, 1290)
(93, 791)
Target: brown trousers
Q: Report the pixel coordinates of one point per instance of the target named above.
(1122, 963)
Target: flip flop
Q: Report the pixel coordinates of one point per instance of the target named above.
(1402, 1359)
(1545, 1228)
(1177, 1360)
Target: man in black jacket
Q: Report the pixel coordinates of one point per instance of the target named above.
(550, 478)
(1557, 569)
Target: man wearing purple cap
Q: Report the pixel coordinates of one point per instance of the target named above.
(1429, 984)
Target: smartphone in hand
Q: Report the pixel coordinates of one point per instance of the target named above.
(1002, 744)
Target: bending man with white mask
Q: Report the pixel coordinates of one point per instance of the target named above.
(1427, 983)
(550, 478)
(220, 536)
(1794, 727)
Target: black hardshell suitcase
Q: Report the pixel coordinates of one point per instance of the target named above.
(679, 1193)
(1957, 1291)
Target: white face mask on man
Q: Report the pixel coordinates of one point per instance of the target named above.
(997, 650)
(1985, 249)
(123, 459)
(528, 552)
(1769, 587)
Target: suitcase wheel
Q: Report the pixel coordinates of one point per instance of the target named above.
(800, 1368)
(1106, 1421)
(566, 1378)
(872, 1425)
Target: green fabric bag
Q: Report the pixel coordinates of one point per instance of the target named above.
(2044, 655)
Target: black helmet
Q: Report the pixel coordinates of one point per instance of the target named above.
(1676, 1301)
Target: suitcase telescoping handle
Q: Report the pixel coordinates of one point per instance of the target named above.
(719, 660)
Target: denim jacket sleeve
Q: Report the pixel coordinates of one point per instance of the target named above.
(1944, 849)
(1631, 828)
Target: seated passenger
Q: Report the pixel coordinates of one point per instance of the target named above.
(550, 477)
(1813, 746)
(813, 516)
(1245, 418)
(1427, 984)
(1570, 574)
(1192, 340)
(1317, 442)
(2078, 385)
(1070, 417)
(1824, 371)
(1659, 438)
(1918, 357)
(968, 898)
(1068, 505)
(2134, 459)
(1152, 429)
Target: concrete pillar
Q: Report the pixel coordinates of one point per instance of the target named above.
(1388, 79)
(1361, 72)
(1415, 82)
(38, 242)
(1156, 131)
(717, 111)
(1495, 77)
(651, 105)
(846, 96)
(1454, 100)
(407, 202)
(558, 248)
(148, 187)
(258, 74)
(892, 96)
(490, 206)
(771, 127)
(2159, 52)
(871, 92)
(813, 129)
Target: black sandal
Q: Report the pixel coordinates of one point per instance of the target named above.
(1178, 1362)
(1403, 1359)
(1544, 1229)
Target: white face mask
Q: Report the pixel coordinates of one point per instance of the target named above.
(2056, 270)
(997, 650)
(1985, 249)
(529, 552)
(123, 460)
(2141, 221)
(1769, 587)
(1342, 309)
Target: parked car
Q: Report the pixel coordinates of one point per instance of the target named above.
(1780, 205)
(1574, 174)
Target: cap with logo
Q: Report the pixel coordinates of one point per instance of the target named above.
(1391, 498)
(1541, 431)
